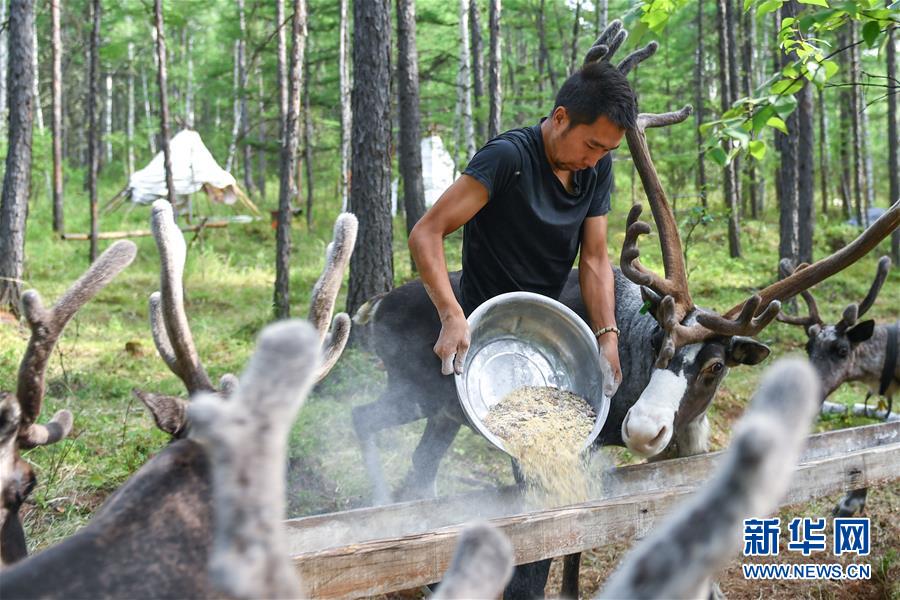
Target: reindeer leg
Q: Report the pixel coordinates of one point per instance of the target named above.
(571, 568)
(440, 431)
(853, 502)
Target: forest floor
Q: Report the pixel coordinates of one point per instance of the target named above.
(107, 350)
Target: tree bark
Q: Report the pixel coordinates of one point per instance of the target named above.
(263, 139)
(788, 244)
(56, 87)
(477, 64)
(806, 202)
(4, 61)
(700, 93)
(107, 119)
(346, 109)
(734, 86)
(494, 76)
(189, 88)
(410, 155)
(466, 133)
(93, 125)
(843, 135)
(151, 140)
(893, 162)
(856, 135)
(163, 99)
(544, 62)
(17, 178)
(576, 23)
(282, 69)
(601, 15)
(371, 266)
(729, 172)
(129, 126)
(38, 113)
(748, 60)
(824, 155)
(308, 140)
(865, 151)
(246, 150)
(236, 108)
(290, 138)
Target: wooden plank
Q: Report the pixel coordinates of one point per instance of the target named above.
(409, 561)
(394, 520)
(117, 235)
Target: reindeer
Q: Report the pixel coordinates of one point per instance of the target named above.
(19, 412)
(161, 520)
(678, 559)
(673, 358)
(852, 350)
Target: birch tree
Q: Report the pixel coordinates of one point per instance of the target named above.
(163, 98)
(346, 108)
(56, 97)
(93, 125)
(410, 150)
(466, 132)
(494, 75)
(893, 135)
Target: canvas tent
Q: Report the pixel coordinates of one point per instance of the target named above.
(193, 169)
(438, 171)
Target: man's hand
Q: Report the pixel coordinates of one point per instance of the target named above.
(609, 348)
(453, 343)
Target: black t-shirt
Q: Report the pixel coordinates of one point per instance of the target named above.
(527, 236)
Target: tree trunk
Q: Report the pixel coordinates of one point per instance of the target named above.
(282, 69)
(346, 109)
(700, 93)
(410, 159)
(864, 148)
(246, 151)
(38, 113)
(494, 80)
(371, 266)
(4, 47)
(107, 119)
(576, 23)
(788, 243)
(824, 155)
(893, 162)
(189, 88)
(163, 100)
(846, 187)
(93, 125)
(290, 138)
(236, 108)
(601, 15)
(856, 136)
(749, 48)
(56, 87)
(129, 127)
(731, 21)
(151, 140)
(17, 179)
(477, 64)
(544, 61)
(729, 173)
(263, 139)
(308, 139)
(806, 202)
(466, 134)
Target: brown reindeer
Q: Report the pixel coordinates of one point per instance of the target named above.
(153, 537)
(19, 412)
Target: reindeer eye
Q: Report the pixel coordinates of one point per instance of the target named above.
(843, 352)
(715, 367)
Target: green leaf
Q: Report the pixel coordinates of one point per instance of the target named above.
(757, 149)
(783, 105)
(816, 2)
(870, 32)
(747, 5)
(830, 69)
(718, 155)
(778, 124)
(738, 134)
(768, 6)
(762, 117)
(787, 86)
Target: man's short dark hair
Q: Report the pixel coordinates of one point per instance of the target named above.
(598, 89)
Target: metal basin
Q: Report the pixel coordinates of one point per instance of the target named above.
(520, 339)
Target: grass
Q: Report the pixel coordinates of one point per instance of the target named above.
(107, 350)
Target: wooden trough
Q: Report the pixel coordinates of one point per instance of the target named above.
(348, 554)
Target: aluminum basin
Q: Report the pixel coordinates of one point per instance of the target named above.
(519, 339)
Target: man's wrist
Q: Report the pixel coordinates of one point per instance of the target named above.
(605, 330)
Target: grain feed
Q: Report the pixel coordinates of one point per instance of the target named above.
(545, 429)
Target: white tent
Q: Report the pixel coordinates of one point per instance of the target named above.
(193, 168)
(438, 171)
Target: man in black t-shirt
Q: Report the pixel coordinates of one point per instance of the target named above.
(529, 200)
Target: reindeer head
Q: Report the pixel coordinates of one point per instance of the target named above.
(832, 349)
(695, 347)
(172, 334)
(19, 412)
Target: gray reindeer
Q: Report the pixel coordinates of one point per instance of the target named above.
(161, 520)
(852, 350)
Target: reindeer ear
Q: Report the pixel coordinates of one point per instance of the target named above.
(745, 351)
(168, 411)
(861, 331)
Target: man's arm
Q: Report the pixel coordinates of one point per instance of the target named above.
(598, 289)
(462, 200)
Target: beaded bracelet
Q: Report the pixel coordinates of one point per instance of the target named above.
(603, 330)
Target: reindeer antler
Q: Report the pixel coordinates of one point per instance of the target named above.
(246, 441)
(786, 268)
(168, 320)
(851, 312)
(46, 327)
(321, 308)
